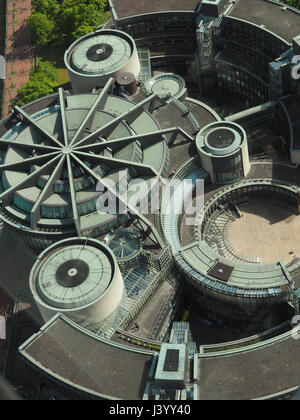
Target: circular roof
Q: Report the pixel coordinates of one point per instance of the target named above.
(126, 243)
(100, 54)
(125, 79)
(220, 139)
(73, 275)
(167, 84)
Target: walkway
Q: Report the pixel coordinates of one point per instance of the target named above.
(19, 51)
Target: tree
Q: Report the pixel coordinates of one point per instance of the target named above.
(87, 27)
(294, 3)
(41, 29)
(47, 69)
(38, 86)
(79, 17)
(82, 30)
(49, 8)
(100, 5)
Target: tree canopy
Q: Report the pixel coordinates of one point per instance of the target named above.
(294, 3)
(49, 8)
(64, 22)
(41, 29)
(42, 80)
(37, 86)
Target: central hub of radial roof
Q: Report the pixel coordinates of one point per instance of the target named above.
(66, 150)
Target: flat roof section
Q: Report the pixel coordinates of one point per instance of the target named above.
(171, 360)
(284, 23)
(95, 366)
(221, 272)
(250, 374)
(127, 8)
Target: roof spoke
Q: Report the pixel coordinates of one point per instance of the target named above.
(29, 180)
(144, 139)
(35, 214)
(21, 164)
(73, 195)
(129, 116)
(62, 103)
(27, 146)
(130, 208)
(95, 175)
(88, 120)
(30, 121)
(115, 163)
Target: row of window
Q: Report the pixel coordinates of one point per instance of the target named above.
(256, 37)
(242, 83)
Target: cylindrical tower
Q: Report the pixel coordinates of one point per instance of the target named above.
(127, 83)
(223, 151)
(94, 58)
(79, 277)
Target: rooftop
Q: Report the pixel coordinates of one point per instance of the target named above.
(253, 374)
(97, 366)
(202, 258)
(284, 23)
(126, 8)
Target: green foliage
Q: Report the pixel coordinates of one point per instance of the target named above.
(294, 3)
(41, 29)
(79, 17)
(63, 23)
(46, 68)
(42, 80)
(38, 85)
(49, 8)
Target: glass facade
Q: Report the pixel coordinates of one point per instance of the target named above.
(228, 170)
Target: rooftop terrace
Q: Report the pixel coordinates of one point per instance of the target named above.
(126, 8)
(283, 22)
(97, 366)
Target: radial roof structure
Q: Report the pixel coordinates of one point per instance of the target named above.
(53, 161)
(164, 85)
(126, 243)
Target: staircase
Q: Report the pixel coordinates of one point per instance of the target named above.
(216, 235)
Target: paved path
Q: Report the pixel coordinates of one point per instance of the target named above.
(19, 51)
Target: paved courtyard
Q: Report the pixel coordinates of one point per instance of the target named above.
(268, 229)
